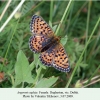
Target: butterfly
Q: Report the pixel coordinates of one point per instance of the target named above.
(43, 41)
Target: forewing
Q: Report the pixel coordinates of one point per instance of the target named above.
(38, 42)
(40, 27)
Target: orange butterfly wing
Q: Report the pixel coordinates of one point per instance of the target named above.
(47, 56)
(60, 60)
(42, 34)
(40, 27)
(43, 41)
(37, 43)
(56, 56)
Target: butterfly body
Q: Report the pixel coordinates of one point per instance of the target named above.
(51, 42)
(44, 41)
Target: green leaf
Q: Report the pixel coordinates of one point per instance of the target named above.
(50, 24)
(54, 28)
(32, 65)
(46, 83)
(22, 69)
(36, 58)
(37, 61)
(41, 65)
(83, 65)
(64, 40)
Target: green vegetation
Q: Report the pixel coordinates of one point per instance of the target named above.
(78, 24)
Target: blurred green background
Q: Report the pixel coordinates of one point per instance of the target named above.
(20, 67)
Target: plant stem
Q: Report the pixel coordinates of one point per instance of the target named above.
(66, 10)
(8, 3)
(93, 74)
(51, 10)
(13, 13)
(10, 41)
(87, 28)
(78, 62)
